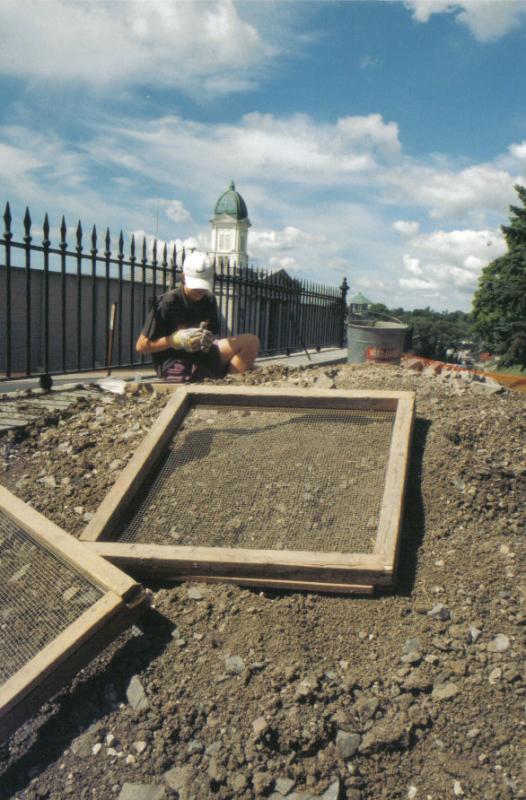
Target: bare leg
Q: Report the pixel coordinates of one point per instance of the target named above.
(239, 352)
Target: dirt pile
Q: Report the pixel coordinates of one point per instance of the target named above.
(226, 692)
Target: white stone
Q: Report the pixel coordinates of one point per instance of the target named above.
(499, 644)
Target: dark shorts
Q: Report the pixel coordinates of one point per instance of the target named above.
(196, 367)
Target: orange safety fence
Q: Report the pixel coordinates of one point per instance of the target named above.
(514, 382)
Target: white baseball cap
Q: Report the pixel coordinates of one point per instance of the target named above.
(198, 271)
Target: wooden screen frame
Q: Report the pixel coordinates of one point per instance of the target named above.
(122, 599)
(289, 569)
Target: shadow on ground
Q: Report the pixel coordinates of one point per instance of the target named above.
(413, 521)
(43, 739)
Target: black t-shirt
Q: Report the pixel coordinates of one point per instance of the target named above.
(174, 311)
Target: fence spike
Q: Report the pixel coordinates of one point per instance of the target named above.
(121, 244)
(94, 238)
(132, 246)
(107, 242)
(174, 256)
(165, 255)
(154, 251)
(63, 231)
(144, 248)
(46, 229)
(183, 256)
(27, 223)
(7, 218)
(79, 235)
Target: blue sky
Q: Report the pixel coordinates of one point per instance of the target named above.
(374, 140)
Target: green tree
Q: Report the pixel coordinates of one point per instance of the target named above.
(499, 305)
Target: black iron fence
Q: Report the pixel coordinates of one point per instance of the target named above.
(79, 308)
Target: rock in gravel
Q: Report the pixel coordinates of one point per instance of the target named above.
(473, 634)
(238, 782)
(385, 736)
(347, 744)
(440, 611)
(333, 792)
(417, 682)
(259, 726)
(499, 644)
(178, 777)
(283, 786)
(141, 791)
(234, 665)
(194, 593)
(83, 745)
(136, 695)
(413, 645)
(444, 691)
(261, 781)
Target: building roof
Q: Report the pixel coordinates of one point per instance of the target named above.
(359, 300)
(231, 203)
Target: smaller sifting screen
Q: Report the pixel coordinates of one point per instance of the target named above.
(277, 479)
(40, 595)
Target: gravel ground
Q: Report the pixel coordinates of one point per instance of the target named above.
(225, 692)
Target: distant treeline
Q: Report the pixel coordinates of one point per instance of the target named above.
(433, 333)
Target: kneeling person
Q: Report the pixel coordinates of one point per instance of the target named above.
(180, 332)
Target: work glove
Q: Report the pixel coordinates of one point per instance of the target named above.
(207, 339)
(188, 339)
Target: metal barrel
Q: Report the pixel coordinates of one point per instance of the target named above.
(377, 340)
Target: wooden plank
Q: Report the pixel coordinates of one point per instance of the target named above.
(132, 476)
(169, 560)
(368, 400)
(68, 548)
(270, 583)
(49, 659)
(390, 520)
(45, 686)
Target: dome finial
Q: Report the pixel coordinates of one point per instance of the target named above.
(232, 184)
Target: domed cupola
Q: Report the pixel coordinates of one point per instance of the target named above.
(231, 203)
(230, 225)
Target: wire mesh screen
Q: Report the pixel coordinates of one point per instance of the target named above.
(279, 479)
(40, 595)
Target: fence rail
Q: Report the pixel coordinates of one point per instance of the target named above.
(58, 301)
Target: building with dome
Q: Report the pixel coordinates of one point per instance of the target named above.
(230, 225)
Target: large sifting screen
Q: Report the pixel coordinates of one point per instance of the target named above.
(264, 478)
(40, 596)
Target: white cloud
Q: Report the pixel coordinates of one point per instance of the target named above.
(370, 131)
(171, 42)
(406, 227)
(457, 194)
(369, 62)
(424, 9)
(518, 151)
(450, 261)
(261, 146)
(417, 283)
(266, 241)
(412, 265)
(487, 20)
(176, 211)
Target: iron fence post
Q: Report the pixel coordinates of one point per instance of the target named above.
(344, 288)
(7, 242)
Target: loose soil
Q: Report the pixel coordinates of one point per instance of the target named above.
(226, 692)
